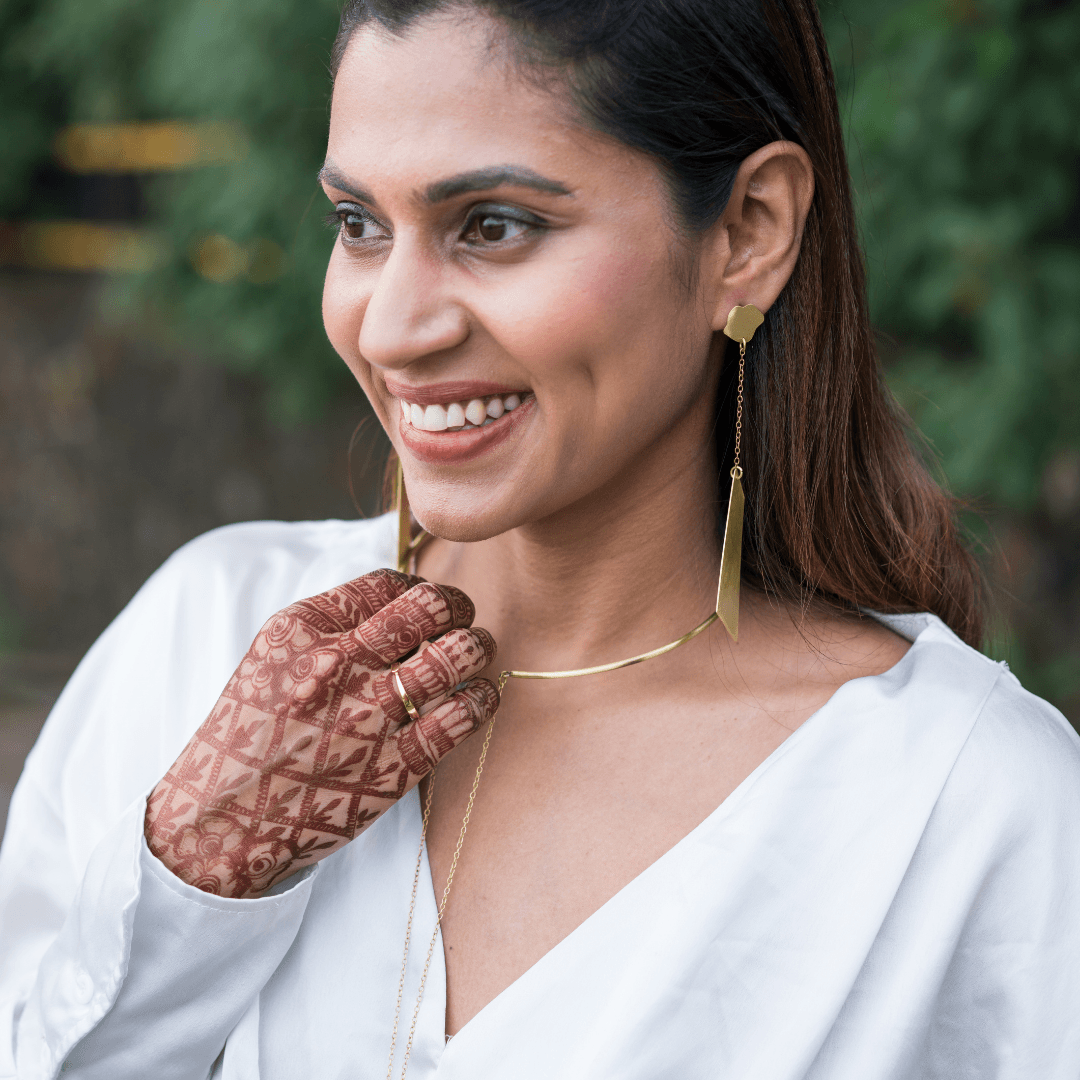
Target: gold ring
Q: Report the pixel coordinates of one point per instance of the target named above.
(399, 686)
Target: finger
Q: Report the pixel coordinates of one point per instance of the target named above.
(432, 674)
(424, 744)
(425, 611)
(346, 606)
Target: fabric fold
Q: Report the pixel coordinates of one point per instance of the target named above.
(149, 975)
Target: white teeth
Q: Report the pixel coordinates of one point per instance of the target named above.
(435, 418)
(476, 413)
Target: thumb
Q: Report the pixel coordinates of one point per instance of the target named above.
(425, 742)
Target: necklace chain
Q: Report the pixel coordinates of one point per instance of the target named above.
(442, 904)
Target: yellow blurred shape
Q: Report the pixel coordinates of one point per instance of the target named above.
(266, 261)
(148, 147)
(221, 259)
(82, 245)
(218, 258)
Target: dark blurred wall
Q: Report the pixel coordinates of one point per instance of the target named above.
(114, 451)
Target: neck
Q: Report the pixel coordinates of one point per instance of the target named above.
(628, 569)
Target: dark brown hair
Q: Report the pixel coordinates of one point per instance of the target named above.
(841, 510)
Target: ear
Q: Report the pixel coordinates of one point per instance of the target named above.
(755, 244)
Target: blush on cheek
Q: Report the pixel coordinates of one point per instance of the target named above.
(342, 312)
(591, 312)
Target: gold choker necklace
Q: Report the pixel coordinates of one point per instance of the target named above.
(741, 324)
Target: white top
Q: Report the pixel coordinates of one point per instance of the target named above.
(894, 894)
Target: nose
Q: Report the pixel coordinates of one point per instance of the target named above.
(410, 314)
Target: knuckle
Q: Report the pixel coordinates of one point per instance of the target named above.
(380, 587)
(447, 605)
(462, 610)
(394, 578)
(481, 699)
(435, 665)
(461, 721)
(486, 644)
(460, 653)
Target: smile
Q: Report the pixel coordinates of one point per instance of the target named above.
(476, 412)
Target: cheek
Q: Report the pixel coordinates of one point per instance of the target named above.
(571, 314)
(600, 333)
(342, 311)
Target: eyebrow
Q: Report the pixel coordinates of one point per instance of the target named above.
(496, 176)
(330, 176)
(441, 190)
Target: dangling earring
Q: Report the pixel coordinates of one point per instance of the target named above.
(741, 324)
(407, 547)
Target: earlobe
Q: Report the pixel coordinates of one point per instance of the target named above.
(759, 235)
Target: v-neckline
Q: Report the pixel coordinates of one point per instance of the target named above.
(723, 810)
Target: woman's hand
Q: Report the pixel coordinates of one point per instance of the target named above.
(309, 743)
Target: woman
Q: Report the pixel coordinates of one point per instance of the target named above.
(809, 842)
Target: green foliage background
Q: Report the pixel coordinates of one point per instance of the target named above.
(965, 143)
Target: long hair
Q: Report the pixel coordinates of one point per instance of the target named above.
(840, 509)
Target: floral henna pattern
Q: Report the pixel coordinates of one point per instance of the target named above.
(308, 743)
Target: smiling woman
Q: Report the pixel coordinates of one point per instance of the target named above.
(596, 270)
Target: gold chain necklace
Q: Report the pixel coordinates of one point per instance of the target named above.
(741, 324)
(442, 903)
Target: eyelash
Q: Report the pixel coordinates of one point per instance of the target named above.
(336, 221)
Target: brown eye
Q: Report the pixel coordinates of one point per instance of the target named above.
(352, 225)
(492, 228)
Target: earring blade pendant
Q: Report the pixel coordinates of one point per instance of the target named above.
(404, 536)
(727, 595)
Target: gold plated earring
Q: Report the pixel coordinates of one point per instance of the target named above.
(404, 521)
(741, 324)
(407, 547)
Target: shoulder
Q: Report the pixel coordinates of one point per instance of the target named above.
(1019, 767)
(1021, 763)
(202, 608)
(155, 673)
(285, 551)
(219, 589)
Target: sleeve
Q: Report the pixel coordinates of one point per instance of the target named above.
(107, 962)
(148, 975)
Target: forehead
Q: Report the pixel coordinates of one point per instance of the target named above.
(446, 97)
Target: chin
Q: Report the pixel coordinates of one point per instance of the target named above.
(454, 514)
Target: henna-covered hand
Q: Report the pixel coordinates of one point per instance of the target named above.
(309, 743)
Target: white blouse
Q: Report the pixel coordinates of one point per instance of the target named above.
(894, 894)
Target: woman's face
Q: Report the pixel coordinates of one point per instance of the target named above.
(507, 286)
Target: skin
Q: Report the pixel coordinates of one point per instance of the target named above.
(588, 533)
(310, 743)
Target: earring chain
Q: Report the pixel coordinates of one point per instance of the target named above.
(736, 468)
